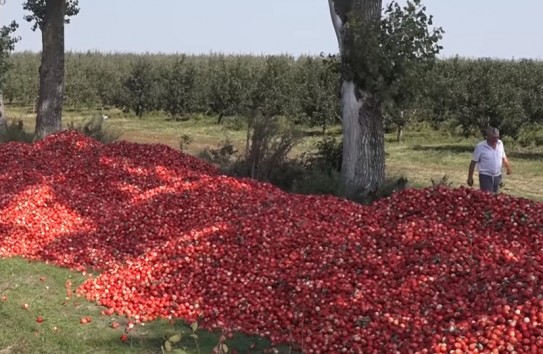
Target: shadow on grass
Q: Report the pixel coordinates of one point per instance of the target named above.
(152, 340)
(525, 155)
(319, 133)
(449, 148)
(460, 149)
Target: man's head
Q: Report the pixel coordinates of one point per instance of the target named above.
(492, 135)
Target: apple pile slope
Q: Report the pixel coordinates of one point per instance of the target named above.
(429, 270)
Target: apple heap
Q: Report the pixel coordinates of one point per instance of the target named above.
(426, 271)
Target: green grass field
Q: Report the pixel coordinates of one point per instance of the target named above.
(424, 156)
(42, 288)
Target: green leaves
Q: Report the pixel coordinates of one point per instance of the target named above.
(318, 92)
(175, 338)
(169, 344)
(7, 45)
(179, 351)
(38, 12)
(380, 54)
(274, 92)
(140, 87)
(230, 85)
(179, 80)
(194, 326)
(473, 94)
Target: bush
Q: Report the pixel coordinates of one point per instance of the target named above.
(269, 141)
(286, 174)
(235, 123)
(531, 136)
(222, 155)
(321, 182)
(96, 129)
(390, 186)
(15, 132)
(184, 142)
(327, 157)
(442, 182)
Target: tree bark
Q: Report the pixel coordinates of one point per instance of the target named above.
(399, 133)
(399, 127)
(3, 122)
(52, 75)
(363, 165)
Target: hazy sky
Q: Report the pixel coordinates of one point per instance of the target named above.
(474, 28)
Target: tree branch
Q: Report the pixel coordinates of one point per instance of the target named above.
(337, 23)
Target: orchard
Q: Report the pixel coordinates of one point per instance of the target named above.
(424, 271)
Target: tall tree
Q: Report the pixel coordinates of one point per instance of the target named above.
(141, 87)
(179, 81)
(229, 88)
(376, 53)
(318, 92)
(49, 16)
(7, 44)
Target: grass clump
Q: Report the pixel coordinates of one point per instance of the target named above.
(15, 131)
(97, 129)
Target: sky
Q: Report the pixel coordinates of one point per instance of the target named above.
(473, 28)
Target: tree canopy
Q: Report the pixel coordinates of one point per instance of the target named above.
(37, 12)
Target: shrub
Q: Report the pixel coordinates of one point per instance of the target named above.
(96, 129)
(184, 142)
(235, 123)
(269, 141)
(531, 136)
(286, 174)
(390, 186)
(442, 182)
(15, 132)
(222, 155)
(327, 157)
(317, 181)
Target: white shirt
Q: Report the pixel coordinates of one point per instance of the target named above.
(489, 160)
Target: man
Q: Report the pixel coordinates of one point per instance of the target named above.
(489, 155)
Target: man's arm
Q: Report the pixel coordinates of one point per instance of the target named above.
(470, 172)
(507, 165)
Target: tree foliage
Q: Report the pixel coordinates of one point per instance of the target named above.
(378, 52)
(7, 45)
(318, 92)
(177, 96)
(140, 88)
(37, 12)
(78, 76)
(473, 94)
(230, 86)
(274, 92)
(455, 92)
(381, 57)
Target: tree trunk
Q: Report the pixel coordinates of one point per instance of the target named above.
(3, 122)
(399, 127)
(399, 133)
(363, 165)
(51, 94)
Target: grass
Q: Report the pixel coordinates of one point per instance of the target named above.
(427, 155)
(157, 128)
(42, 287)
(424, 155)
